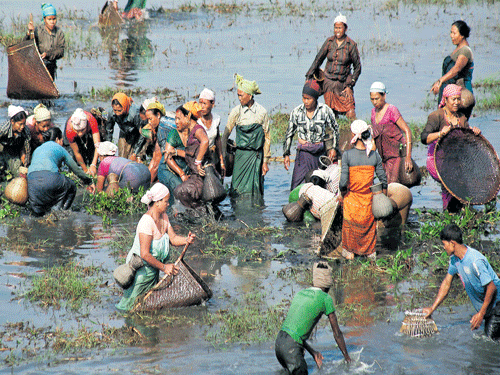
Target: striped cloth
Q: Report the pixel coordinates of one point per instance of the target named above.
(318, 195)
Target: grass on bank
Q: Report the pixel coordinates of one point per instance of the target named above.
(487, 92)
(70, 285)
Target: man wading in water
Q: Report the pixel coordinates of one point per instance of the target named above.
(480, 281)
(306, 309)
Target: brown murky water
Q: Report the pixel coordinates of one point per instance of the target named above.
(403, 46)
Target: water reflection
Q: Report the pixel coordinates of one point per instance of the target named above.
(128, 55)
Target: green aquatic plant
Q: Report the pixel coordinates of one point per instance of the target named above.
(278, 124)
(123, 202)
(488, 90)
(246, 321)
(71, 283)
(8, 210)
(397, 266)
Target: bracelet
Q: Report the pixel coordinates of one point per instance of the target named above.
(176, 152)
(197, 162)
(93, 165)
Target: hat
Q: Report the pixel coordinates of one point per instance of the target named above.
(124, 100)
(322, 275)
(48, 10)
(312, 89)
(147, 102)
(156, 193)
(193, 107)
(156, 105)
(250, 87)
(41, 113)
(378, 87)
(450, 90)
(14, 110)
(207, 94)
(340, 18)
(107, 149)
(79, 120)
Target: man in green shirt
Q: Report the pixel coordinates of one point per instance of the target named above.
(306, 309)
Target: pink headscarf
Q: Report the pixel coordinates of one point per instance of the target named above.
(450, 90)
(156, 193)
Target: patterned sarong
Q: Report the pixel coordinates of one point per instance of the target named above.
(358, 228)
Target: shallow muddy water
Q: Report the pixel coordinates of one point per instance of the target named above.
(403, 47)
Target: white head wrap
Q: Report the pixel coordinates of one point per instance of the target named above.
(340, 18)
(378, 87)
(156, 193)
(14, 110)
(79, 120)
(207, 94)
(358, 127)
(149, 101)
(322, 275)
(107, 149)
(41, 113)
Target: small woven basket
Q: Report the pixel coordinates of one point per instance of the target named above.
(416, 325)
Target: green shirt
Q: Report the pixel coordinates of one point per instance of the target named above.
(306, 309)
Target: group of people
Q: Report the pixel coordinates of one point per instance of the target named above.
(180, 144)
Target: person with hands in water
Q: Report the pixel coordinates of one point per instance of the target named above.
(196, 155)
(310, 121)
(152, 241)
(440, 123)
(478, 277)
(49, 38)
(306, 309)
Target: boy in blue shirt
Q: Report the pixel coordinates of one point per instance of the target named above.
(480, 281)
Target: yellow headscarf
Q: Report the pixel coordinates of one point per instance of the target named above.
(194, 108)
(250, 87)
(157, 105)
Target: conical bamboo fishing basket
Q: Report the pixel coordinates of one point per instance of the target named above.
(416, 325)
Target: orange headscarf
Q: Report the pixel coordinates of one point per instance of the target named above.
(124, 100)
(194, 108)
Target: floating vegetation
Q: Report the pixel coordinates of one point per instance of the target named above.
(123, 202)
(71, 283)
(247, 321)
(278, 124)
(8, 210)
(106, 93)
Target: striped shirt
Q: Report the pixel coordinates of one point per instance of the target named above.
(311, 130)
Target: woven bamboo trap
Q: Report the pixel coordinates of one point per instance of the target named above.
(416, 325)
(468, 166)
(184, 289)
(28, 75)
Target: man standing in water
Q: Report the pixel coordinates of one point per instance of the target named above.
(480, 281)
(306, 309)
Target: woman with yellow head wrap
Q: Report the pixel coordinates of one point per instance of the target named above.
(253, 141)
(125, 114)
(196, 155)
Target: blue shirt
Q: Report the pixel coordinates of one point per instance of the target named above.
(475, 272)
(50, 156)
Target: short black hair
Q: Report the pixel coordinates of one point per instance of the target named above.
(462, 27)
(451, 232)
(116, 102)
(156, 111)
(18, 116)
(365, 135)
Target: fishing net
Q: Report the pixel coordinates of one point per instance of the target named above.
(109, 16)
(468, 166)
(416, 325)
(184, 289)
(28, 76)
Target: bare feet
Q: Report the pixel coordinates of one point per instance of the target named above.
(347, 254)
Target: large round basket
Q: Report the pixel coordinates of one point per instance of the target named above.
(184, 289)
(468, 166)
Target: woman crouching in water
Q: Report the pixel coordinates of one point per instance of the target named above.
(152, 241)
